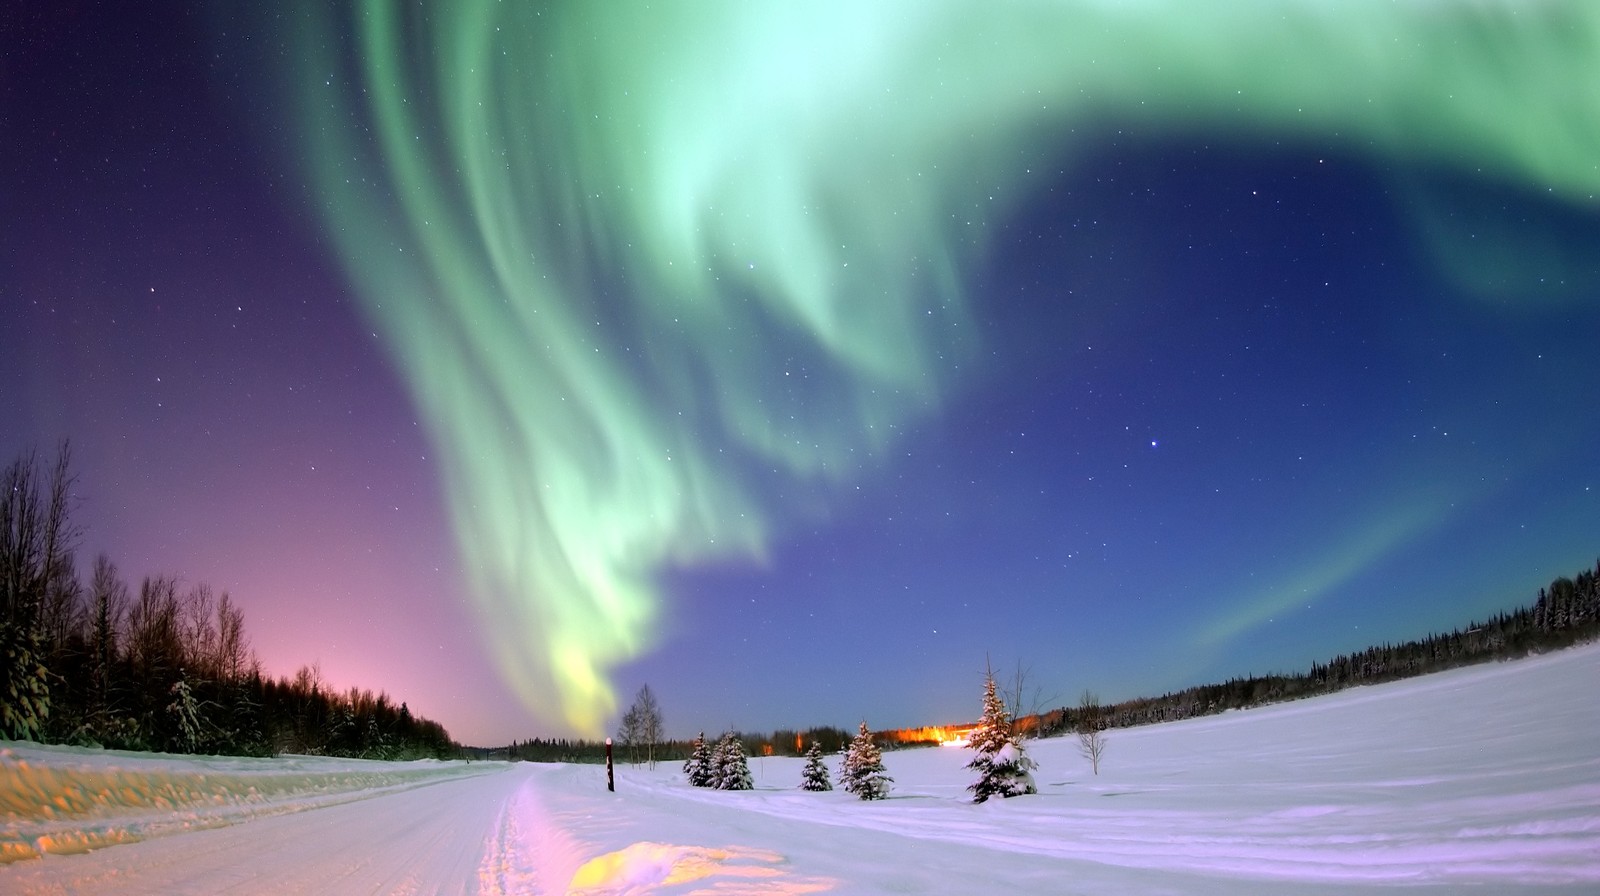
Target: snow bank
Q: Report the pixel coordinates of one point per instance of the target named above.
(63, 800)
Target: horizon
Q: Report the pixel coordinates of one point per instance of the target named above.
(1522, 639)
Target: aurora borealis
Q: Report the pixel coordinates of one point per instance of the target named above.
(761, 347)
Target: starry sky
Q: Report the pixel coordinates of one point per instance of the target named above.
(798, 361)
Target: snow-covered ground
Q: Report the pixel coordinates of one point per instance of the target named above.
(1483, 780)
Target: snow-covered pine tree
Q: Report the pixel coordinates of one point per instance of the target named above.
(185, 712)
(697, 768)
(1002, 766)
(719, 755)
(816, 774)
(863, 772)
(732, 771)
(24, 682)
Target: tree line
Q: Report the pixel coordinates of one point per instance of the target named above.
(783, 742)
(1564, 614)
(165, 667)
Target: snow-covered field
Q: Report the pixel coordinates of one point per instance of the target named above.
(1483, 780)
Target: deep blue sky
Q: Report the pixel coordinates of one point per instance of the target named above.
(1235, 401)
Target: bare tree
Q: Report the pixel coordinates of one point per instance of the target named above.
(641, 727)
(309, 711)
(309, 680)
(628, 736)
(108, 601)
(1091, 729)
(155, 637)
(651, 723)
(200, 633)
(234, 660)
(1024, 700)
(61, 613)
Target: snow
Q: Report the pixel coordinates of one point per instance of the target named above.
(1484, 779)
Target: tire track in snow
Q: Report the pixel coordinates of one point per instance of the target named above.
(530, 854)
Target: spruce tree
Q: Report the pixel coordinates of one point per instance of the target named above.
(816, 773)
(189, 728)
(24, 682)
(1002, 766)
(697, 768)
(863, 772)
(732, 771)
(719, 757)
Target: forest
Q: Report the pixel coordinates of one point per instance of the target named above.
(163, 667)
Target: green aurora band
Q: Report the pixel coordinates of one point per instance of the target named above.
(643, 264)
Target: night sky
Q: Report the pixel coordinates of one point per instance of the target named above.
(797, 361)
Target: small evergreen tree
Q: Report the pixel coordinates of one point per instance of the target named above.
(1002, 766)
(188, 726)
(24, 682)
(731, 771)
(816, 773)
(697, 768)
(863, 772)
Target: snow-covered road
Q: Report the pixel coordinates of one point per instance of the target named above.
(322, 832)
(1478, 780)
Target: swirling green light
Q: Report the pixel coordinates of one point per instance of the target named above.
(639, 260)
